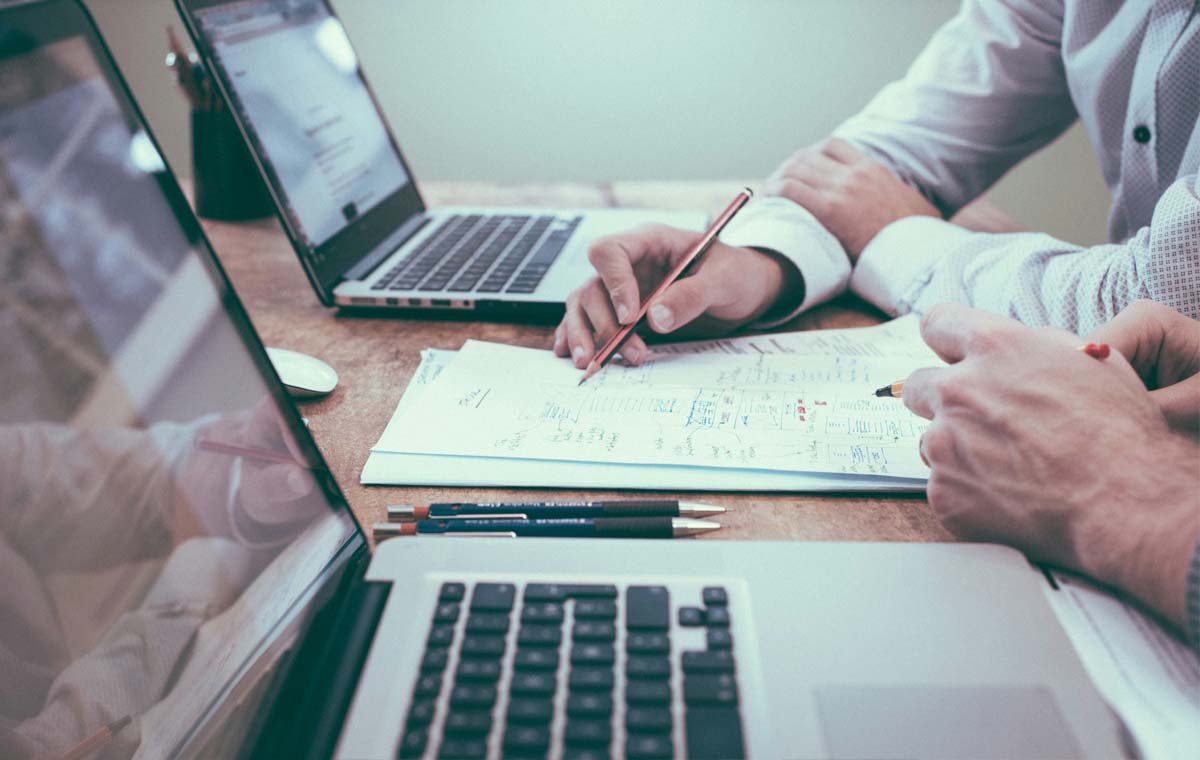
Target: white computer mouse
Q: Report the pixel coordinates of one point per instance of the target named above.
(304, 376)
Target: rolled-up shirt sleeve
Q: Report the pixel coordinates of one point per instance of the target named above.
(988, 90)
(918, 262)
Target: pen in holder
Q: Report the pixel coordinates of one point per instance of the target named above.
(227, 183)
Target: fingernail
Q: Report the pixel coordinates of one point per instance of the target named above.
(662, 316)
(577, 352)
(622, 313)
(632, 354)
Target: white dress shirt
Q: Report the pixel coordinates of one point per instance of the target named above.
(995, 84)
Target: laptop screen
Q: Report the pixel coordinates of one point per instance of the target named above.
(164, 516)
(301, 94)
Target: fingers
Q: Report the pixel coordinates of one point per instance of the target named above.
(841, 151)
(614, 258)
(923, 391)
(686, 300)
(1180, 404)
(273, 485)
(578, 329)
(588, 323)
(1161, 344)
(954, 331)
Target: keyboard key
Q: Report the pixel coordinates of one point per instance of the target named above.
(710, 689)
(533, 684)
(589, 704)
(652, 720)
(690, 617)
(713, 732)
(587, 732)
(487, 623)
(530, 710)
(526, 739)
(421, 712)
(486, 671)
(468, 723)
(647, 643)
(557, 592)
(591, 679)
(473, 695)
(714, 596)
(428, 685)
(413, 743)
(717, 616)
(435, 659)
(595, 609)
(462, 749)
(593, 630)
(446, 612)
(536, 659)
(592, 654)
(452, 592)
(441, 636)
(497, 597)
(483, 647)
(545, 612)
(539, 636)
(545, 592)
(649, 746)
(647, 608)
(648, 692)
(719, 638)
(708, 662)
(647, 667)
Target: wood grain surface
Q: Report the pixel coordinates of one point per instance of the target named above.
(376, 356)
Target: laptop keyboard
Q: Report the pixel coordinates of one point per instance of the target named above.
(578, 670)
(486, 254)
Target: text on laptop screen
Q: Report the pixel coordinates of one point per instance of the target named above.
(162, 513)
(303, 101)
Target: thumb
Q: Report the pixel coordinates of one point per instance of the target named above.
(1180, 404)
(265, 489)
(683, 302)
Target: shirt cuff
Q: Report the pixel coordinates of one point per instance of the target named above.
(899, 262)
(788, 229)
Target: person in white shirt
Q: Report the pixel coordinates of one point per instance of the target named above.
(866, 209)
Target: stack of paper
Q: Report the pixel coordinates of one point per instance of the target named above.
(785, 412)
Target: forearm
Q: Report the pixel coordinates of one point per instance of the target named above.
(916, 263)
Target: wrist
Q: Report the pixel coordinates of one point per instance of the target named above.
(1155, 532)
(784, 291)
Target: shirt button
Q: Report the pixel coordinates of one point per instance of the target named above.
(1141, 134)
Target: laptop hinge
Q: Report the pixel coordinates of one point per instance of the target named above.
(367, 264)
(315, 695)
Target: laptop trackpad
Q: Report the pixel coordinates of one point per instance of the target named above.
(943, 722)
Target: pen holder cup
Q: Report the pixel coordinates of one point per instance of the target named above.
(228, 185)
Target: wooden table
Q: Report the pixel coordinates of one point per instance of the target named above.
(375, 357)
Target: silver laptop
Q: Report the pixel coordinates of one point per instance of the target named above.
(345, 194)
(183, 577)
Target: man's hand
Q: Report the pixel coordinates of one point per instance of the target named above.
(1164, 347)
(727, 288)
(851, 195)
(1068, 458)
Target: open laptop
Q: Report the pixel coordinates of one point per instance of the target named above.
(345, 194)
(183, 577)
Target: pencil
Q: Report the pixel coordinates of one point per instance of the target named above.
(1095, 350)
(97, 740)
(253, 452)
(697, 250)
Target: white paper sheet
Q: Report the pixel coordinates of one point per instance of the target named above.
(1148, 677)
(766, 412)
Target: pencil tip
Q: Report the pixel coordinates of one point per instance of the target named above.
(592, 369)
(884, 392)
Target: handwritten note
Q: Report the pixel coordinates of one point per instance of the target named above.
(797, 413)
